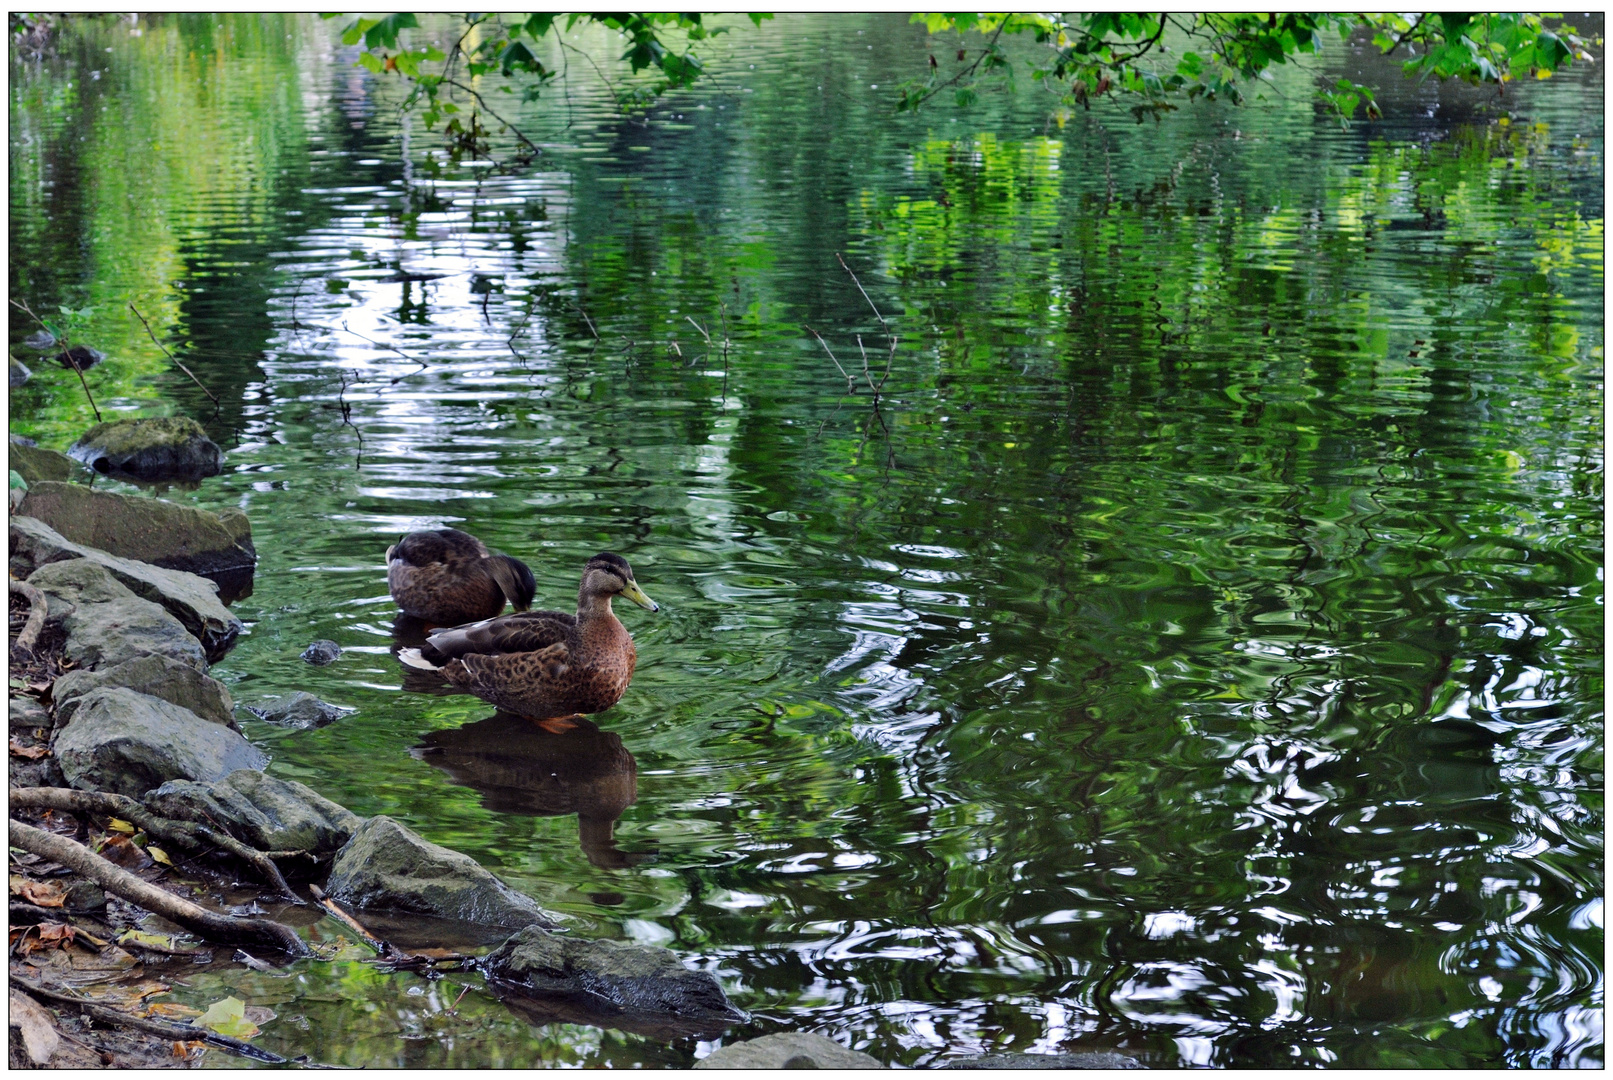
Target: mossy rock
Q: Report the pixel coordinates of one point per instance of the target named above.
(35, 463)
(154, 448)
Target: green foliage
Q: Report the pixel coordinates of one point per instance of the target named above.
(1216, 55)
(499, 48)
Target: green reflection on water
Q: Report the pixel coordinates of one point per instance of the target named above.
(1199, 651)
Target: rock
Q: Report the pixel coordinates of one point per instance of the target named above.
(191, 599)
(81, 357)
(25, 713)
(1101, 1059)
(387, 867)
(36, 1027)
(36, 464)
(129, 743)
(143, 528)
(298, 710)
(157, 448)
(107, 624)
(40, 341)
(635, 987)
(788, 1050)
(269, 814)
(155, 675)
(17, 373)
(322, 652)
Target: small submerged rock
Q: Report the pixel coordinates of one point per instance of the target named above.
(322, 652)
(298, 709)
(156, 448)
(18, 373)
(129, 743)
(40, 341)
(787, 1050)
(389, 868)
(81, 357)
(637, 988)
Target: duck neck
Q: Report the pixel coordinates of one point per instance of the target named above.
(593, 607)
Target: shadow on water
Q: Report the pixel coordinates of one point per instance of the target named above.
(519, 768)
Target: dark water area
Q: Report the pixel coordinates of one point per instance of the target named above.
(1197, 652)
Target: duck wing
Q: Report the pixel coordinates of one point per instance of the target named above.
(522, 632)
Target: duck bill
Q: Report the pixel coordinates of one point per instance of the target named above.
(636, 594)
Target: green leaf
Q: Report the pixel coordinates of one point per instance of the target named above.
(227, 1017)
(385, 31)
(372, 62)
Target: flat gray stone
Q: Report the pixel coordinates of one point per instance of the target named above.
(788, 1050)
(129, 743)
(160, 676)
(191, 599)
(297, 710)
(152, 448)
(635, 987)
(143, 528)
(105, 623)
(389, 868)
(267, 813)
(1098, 1059)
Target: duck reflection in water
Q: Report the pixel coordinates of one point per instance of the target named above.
(521, 768)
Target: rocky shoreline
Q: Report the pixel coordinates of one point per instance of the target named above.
(117, 727)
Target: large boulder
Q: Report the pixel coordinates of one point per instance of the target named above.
(269, 814)
(150, 530)
(105, 623)
(191, 599)
(388, 868)
(635, 987)
(37, 464)
(160, 677)
(787, 1050)
(129, 743)
(156, 448)
(1100, 1059)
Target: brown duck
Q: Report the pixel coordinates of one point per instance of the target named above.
(545, 664)
(447, 577)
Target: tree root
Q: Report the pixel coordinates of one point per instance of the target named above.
(190, 834)
(120, 882)
(36, 615)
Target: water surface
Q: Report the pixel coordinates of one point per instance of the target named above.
(1196, 652)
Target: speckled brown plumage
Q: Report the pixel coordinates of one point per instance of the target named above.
(548, 663)
(448, 577)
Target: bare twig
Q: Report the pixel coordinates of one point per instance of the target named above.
(889, 360)
(586, 319)
(36, 615)
(723, 308)
(1410, 31)
(119, 881)
(347, 417)
(535, 148)
(191, 834)
(851, 383)
(174, 358)
(384, 948)
(65, 344)
(966, 72)
(384, 345)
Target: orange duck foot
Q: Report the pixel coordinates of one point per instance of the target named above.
(557, 725)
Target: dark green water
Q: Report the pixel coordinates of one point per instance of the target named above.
(1198, 652)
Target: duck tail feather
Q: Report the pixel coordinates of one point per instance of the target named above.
(415, 659)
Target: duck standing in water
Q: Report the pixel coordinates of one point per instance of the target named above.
(446, 577)
(547, 665)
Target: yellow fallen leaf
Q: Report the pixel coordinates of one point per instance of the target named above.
(159, 854)
(119, 825)
(227, 1017)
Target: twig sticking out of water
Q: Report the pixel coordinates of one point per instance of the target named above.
(384, 345)
(851, 383)
(724, 309)
(586, 319)
(891, 358)
(347, 417)
(65, 344)
(172, 357)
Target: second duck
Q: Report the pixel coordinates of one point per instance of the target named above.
(447, 577)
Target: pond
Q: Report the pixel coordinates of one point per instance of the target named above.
(1195, 649)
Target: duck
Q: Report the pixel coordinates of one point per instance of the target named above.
(445, 577)
(548, 666)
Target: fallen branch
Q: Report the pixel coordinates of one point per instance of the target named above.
(116, 880)
(382, 948)
(36, 615)
(192, 834)
(850, 383)
(175, 1032)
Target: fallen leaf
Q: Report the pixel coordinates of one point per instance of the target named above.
(32, 753)
(119, 825)
(42, 893)
(227, 1017)
(171, 1010)
(44, 936)
(159, 855)
(125, 994)
(142, 939)
(125, 853)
